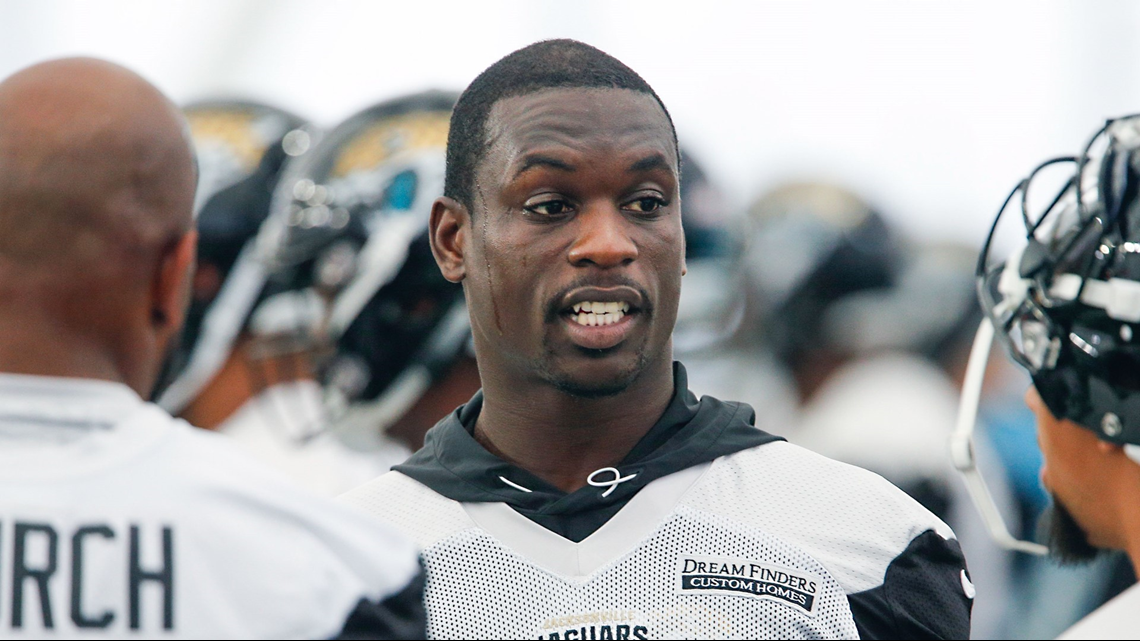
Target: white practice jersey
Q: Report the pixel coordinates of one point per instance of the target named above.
(117, 520)
(770, 542)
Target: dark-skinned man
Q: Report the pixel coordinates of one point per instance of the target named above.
(115, 519)
(585, 493)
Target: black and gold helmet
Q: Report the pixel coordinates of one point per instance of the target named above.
(349, 233)
(241, 148)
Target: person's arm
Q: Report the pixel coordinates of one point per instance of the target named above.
(926, 594)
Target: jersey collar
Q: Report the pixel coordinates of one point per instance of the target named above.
(689, 433)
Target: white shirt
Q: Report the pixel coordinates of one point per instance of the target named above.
(117, 520)
(285, 427)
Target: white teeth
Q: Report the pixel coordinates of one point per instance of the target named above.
(595, 313)
(594, 320)
(598, 307)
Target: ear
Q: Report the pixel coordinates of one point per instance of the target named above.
(172, 286)
(449, 229)
(1109, 448)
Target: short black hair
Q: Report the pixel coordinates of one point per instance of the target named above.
(547, 64)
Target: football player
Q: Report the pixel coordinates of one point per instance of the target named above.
(245, 366)
(1065, 306)
(348, 238)
(585, 492)
(117, 520)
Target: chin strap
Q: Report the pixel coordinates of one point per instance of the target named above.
(962, 445)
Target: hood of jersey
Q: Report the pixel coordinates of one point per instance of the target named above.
(692, 431)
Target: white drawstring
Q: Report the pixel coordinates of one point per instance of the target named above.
(612, 484)
(514, 485)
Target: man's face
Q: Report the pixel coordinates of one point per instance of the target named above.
(1074, 523)
(574, 259)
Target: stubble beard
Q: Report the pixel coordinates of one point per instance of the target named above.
(596, 387)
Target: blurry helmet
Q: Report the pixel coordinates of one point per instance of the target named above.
(711, 306)
(811, 248)
(930, 309)
(1066, 304)
(348, 237)
(241, 148)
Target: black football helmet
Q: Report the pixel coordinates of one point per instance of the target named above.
(349, 228)
(241, 148)
(1065, 304)
(812, 246)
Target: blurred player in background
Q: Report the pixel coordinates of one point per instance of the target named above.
(1065, 307)
(585, 492)
(717, 334)
(865, 321)
(244, 366)
(348, 239)
(241, 149)
(117, 520)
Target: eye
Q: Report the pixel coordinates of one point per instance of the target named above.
(550, 208)
(646, 204)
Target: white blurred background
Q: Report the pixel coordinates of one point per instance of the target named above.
(933, 110)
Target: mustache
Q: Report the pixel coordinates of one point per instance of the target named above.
(554, 304)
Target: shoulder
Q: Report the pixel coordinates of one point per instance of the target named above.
(253, 555)
(900, 565)
(820, 502)
(247, 501)
(410, 506)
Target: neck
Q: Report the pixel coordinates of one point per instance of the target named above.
(32, 342)
(562, 438)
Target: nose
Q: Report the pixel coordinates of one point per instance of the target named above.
(603, 238)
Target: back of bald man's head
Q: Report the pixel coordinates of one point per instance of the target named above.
(97, 244)
(95, 167)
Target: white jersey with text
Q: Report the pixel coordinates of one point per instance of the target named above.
(770, 542)
(117, 520)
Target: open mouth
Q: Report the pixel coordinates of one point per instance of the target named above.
(599, 318)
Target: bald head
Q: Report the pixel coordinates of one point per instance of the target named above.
(96, 199)
(95, 163)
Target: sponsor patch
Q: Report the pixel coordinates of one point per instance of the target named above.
(733, 576)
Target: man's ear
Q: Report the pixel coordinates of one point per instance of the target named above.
(450, 229)
(172, 286)
(1109, 448)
